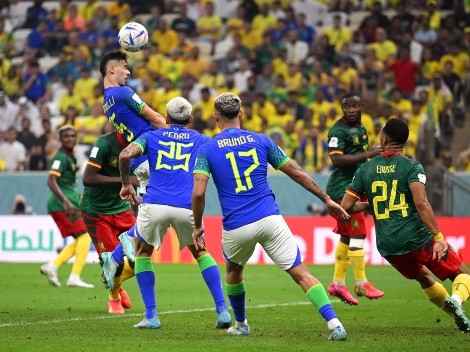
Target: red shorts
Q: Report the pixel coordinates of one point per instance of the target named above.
(69, 226)
(410, 265)
(104, 229)
(355, 226)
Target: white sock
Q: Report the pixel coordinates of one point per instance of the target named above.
(457, 298)
(339, 283)
(333, 323)
(243, 323)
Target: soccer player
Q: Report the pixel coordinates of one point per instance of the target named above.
(238, 161)
(167, 202)
(408, 236)
(348, 148)
(106, 215)
(63, 206)
(123, 107)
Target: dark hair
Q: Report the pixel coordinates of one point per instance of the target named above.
(109, 56)
(397, 130)
(351, 95)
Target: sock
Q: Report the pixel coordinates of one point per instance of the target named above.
(128, 271)
(236, 296)
(131, 232)
(358, 265)
(114, 293)
(146, 280)
(81, 252)
(65, 254)
(317, 295)
(341, 264)
(461, 287)
(436, 294)
(211, 274)
(118, 254)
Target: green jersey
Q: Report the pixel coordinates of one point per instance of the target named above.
(105, 157)
(385, 180)
(64, 166)
(345, 138)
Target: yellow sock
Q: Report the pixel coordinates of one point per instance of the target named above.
(358, 264)
(114, 293)
(127, 272)
(461, 286)
(341, 263)
(81, 252)
(65, 254)
(436, 294)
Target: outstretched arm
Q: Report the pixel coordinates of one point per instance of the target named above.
(353, 159)
(157, 120)
(296, 173)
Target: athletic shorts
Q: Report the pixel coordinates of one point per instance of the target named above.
(410, 265)
(104, 229)
(272, 233)
(153, 221)
(69, 226)
(354, 226)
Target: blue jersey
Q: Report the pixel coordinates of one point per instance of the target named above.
(238, 161)
(122, 107)
(171, 154)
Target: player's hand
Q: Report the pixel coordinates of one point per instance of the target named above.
(439, 249)
(336, 210)
(374, 151)
(69, 209)
(128, 193)
(198, 238)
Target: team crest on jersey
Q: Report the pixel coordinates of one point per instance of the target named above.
(354, 224)
(364, 136)
(114, 161)
(356, 140)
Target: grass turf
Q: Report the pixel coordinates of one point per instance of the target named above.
(35, 316)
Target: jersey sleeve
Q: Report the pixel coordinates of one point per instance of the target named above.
(133, 100)
(276, 156)
(356, 188)
(202, 162)
(336, 141)
(417, 174)
(59, 164)
(141, 142)
(97, 153)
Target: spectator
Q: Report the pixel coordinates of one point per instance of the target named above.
(25, 136)
(13, 152)
(8, 111)
(183, 23)
(338, 34)
(101, 20)
(405, 72)
(73, 21)
(21, 206)
(36, 83)
(35, 13)
(29, 110)
(384, 48)
(89, 127)
(297, 50)
(425, 34)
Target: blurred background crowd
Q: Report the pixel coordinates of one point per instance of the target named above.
(291, 61)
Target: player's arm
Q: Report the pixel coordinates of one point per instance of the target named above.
(54, 186)
(157, 120)
(133, 150)
(426, 214)
(339, 159)
(296, 173)
(351, 205)
(198, 202)
(93, 177)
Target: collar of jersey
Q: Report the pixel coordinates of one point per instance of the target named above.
(389, 155)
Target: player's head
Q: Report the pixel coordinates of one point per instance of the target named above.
(352, 106)
(179, 111)
(113, 65)
(228, 106)
(395, 131)
(68, 136)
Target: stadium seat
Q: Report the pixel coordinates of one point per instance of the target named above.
(169, 18)
(20, 37)
(205, 48)
(46, 62)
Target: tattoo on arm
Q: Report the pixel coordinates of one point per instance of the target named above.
(131, 151)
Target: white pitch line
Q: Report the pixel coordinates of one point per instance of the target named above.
(178, 311)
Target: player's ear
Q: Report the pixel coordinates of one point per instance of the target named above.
(240, 114)
(190, 120)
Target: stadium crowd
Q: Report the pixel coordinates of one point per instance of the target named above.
(290, 61)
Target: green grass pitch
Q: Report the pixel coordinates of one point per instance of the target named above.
(35, 316)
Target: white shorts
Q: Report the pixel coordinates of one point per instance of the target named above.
(153, 221)
(271, 232)
(142, 173)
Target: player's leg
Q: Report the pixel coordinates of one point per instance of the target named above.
(152, 223)
(238, 245)
(183, 223)
(50, 269)
(280, 245)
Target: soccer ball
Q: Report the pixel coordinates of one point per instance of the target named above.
(133, 36)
